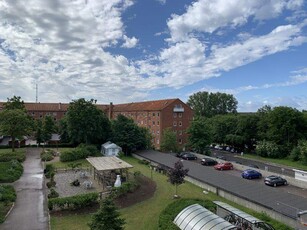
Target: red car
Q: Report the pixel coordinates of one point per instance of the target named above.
(224, 166)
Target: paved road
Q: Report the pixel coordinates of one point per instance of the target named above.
(270, 166)
(30, 211)
(269, 197)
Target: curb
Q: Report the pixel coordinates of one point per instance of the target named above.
(8, 213)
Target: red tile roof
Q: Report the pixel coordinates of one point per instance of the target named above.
(146, 105)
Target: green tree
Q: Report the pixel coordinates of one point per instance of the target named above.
(86, 123)
(221, 126)
(177, 174)
(63, 130)
(44, 129)
(14, 103)
(285, 127)
(200, 135)
(169, 141)
(246, 131)
(211, 104)
(128, 135)
(107, 217)
(15, 123)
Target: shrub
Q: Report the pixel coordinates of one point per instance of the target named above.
(47, 156)
(7, 193)
(168, 215)
(73, 202)
(49, 171)
(81, 152)
(51, 184)
(53, 194)
(267, 149)
(295, 154)
(9, 155)
(10, 171)
(127, 187)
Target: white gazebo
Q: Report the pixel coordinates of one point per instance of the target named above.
(110, 149)
(105, 169)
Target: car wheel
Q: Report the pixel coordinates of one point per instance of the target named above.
(249, 177)
(221, 169)
(275, 185)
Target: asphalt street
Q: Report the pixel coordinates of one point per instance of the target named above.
(272, 198)
(30, 211)
(262, 165)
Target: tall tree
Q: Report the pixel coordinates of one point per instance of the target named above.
(44, 129)
(15, 123)
(169, 141)
(211, 104)
(63, 130)
(128, 135)
(177, 174)
(14, 103)
(86, 123)
(107, 217)
(200, 134)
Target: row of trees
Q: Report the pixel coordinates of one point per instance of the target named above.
(84, 122)
(273, 132)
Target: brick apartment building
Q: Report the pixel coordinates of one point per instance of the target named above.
(154, 115)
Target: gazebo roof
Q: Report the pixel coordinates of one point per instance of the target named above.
(108, 163)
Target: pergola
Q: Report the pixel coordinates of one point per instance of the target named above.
(105, 169)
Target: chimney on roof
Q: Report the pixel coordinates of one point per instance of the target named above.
(110, 110)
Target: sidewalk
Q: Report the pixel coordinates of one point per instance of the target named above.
(30, 210)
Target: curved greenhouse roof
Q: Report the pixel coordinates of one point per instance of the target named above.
(196, 217)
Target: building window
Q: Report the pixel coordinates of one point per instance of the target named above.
(153, 122)
(180, 141)
(180, 123)
(158, 122)
(158, 132)
(153, 114)
(180, 132)
(158, 114)
(180, 115)
(175, 123)
(175, 115)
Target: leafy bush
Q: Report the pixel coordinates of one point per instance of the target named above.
(7, 193)
(267, 149)
(53, 194)
(73, 202)
(295, 154)
(81, 152)
(10, 171)
(47, 156)
(49, 171)
(9, 155)
(127, 187)
(51, 184)
(168, 215)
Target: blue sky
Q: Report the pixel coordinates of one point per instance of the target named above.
(127, 51)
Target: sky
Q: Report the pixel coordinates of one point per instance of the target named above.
(124, 51)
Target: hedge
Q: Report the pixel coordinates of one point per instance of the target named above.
(81, 152)
(9, 155)
(10, 171)
(7, 193)
(73, 202)
(168, 215)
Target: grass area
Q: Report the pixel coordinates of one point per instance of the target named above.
(285, 161)
(10, 171)
(63, 165)
(144, 215)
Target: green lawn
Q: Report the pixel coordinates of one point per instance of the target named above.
(286, 162)
(144, 215)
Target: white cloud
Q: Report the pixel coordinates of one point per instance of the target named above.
(162, 2)
(208, 16)
(129, 42)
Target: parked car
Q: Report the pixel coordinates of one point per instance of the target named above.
(208, 161)
(251, 174)
(223, 166)
(181, 154)
(189, 156)
(275, 181)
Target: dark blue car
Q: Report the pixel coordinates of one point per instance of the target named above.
(251, 174)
